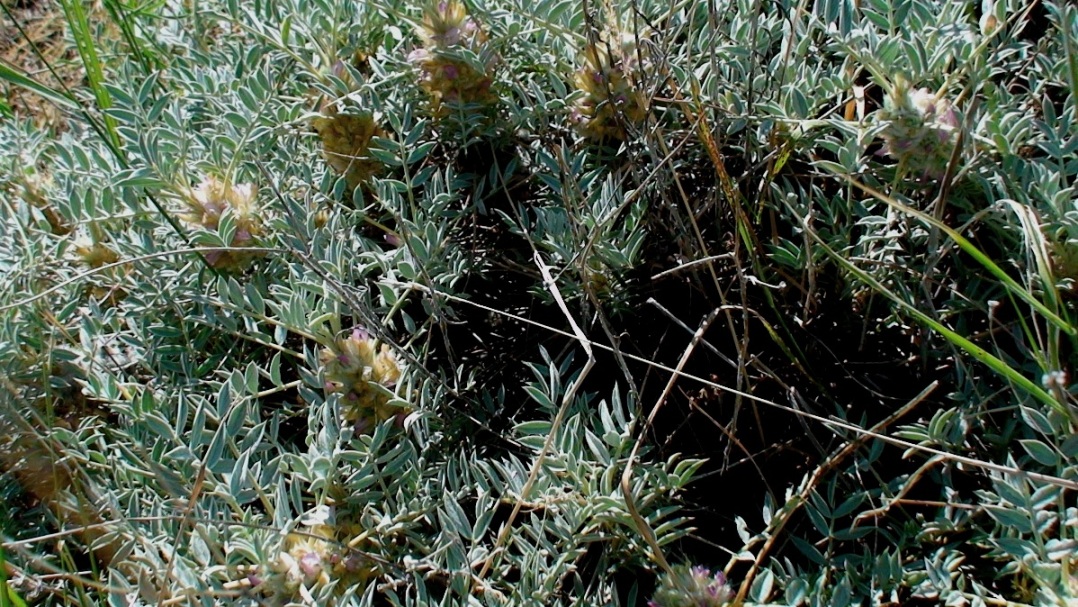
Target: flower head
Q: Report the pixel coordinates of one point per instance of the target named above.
(692, 587)
(346, 142)
(306, 555)
(316, 555)
(609, 99)
(207, 204)
(360, 369)
(447, 24)
(446, 30)
(920, 129)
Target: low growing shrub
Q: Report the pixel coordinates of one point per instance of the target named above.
(539, 303)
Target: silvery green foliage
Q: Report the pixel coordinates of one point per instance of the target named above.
(185, 406)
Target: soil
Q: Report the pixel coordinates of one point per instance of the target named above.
(31, 44)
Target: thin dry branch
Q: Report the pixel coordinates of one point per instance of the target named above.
(627, 475)
(784, 516)
(567, 400)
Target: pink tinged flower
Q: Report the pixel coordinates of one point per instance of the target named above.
(393, 240)
(311, 564)
(353, 563)
(360, 334)
(339, 69)
(343, 359)
(214, 257)
(718, 586)
(948, 117)
(947, 121)
(361, 426)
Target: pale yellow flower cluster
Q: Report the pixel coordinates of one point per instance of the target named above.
(306, 556)
(346, 142)
(610, 99)
(447, 28)
(206, 204)
(316, 556)
(362, 371)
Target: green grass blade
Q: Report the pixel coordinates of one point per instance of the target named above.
(977, 352)
(146, 52)
(20, 79)
(967, 246)
(75, 13)
(8, 596)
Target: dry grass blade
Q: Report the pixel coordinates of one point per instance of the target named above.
(555, 427)
(627, 476)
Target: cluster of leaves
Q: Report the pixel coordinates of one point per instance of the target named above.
(295, 305)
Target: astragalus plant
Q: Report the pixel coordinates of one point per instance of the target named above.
(325, 302)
